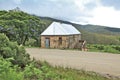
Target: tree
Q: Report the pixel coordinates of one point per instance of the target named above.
(20, 26)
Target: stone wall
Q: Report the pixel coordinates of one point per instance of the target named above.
(69, 41)
(42, 42)
(74, 41)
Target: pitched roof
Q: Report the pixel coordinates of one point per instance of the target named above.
(60, 29)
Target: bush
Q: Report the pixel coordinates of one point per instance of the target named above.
(7, 72)
(110, 49)
(104, 48)
(116, 47)
(11, 49)
(31, 72)
(30, 43)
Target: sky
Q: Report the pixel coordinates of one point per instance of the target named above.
(97, 12)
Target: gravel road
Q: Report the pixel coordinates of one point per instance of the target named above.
(103, 63)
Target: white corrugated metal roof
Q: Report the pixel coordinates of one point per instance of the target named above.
(60, 29)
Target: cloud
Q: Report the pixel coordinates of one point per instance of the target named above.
(84, 8)
(113, 3)
(17, 1)
(62, 9)
(107, 16)
(100, 12)
(83, 4)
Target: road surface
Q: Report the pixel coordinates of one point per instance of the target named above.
(103, 63)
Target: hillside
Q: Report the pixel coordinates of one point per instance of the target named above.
(20, 26)
(25, 29)
(94, 33)
(89, 27)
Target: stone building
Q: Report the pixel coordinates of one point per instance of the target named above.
(59, 35)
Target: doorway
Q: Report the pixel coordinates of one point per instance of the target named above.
(47, 42)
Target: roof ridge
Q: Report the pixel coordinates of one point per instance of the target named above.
(60, 29)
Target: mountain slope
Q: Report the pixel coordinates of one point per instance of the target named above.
(20, 27)
(89, 27)
(100, 29)
(94, 34)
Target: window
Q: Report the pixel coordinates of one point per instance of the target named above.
(60, 40)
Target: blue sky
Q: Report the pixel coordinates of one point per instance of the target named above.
(98, 12)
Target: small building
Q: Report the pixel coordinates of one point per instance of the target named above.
(60, 35)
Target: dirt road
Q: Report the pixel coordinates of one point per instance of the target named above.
(103, 63)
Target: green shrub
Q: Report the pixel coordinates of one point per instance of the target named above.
(116, 47)
(30, 43)
(110, 49)
(7, 72)
(104, 48)
(10, 49)
(31, 72)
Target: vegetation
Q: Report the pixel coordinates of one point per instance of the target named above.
(24, 28)
(95, 34)
(104, 48)
(16, 65)
(95, 38)
(99, 35)
(20, 26)
(12, 50)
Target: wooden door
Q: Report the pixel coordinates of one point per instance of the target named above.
(47, 42)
